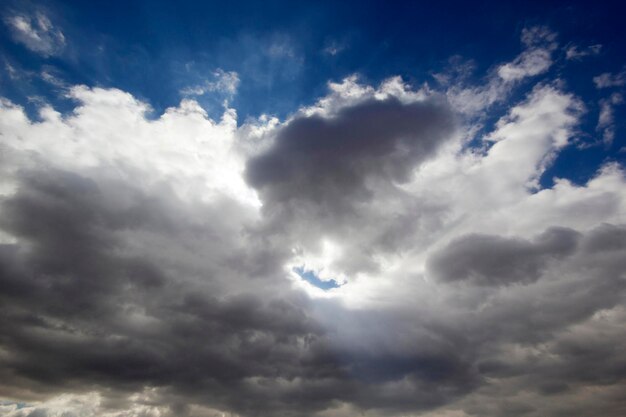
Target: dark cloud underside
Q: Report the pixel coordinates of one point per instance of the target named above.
(329, 160)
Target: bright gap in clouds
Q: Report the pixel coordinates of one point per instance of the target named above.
(311, 278)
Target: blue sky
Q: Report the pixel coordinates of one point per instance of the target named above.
(312, 209)
(311, 278)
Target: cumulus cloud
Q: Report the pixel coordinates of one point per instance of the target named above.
(37, 33)
(146, 263)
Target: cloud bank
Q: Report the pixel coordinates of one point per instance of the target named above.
(147, 263)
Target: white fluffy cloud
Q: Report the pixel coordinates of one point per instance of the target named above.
(109, 129)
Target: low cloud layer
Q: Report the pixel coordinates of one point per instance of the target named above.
(147, 263)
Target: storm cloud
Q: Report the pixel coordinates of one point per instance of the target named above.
(495, 260)
(329, 160)
(81, 307)
(148, 264)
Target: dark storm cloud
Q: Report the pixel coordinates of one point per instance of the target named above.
(606, 238)
(496, 260)
(83, 309)
(328, 161)
(78, 307)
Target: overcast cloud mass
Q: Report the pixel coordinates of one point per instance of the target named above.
(156, 256)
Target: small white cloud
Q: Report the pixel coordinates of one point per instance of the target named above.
(458, 71)
(574, 53)
(607, 80)
(536, 59)
(37, 33)
(281, 47)
(606, 119)
(11, 71)
(528, 64)
(225, 82)
(537, 36)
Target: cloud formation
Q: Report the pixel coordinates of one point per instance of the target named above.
(147, 263)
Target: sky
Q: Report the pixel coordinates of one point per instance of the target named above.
(312, 209)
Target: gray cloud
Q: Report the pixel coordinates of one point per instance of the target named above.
(79, 306)
(495, 260)
(334, 171)
(82, 306)
(328, 161)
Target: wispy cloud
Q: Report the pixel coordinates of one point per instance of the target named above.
(36, 32)
(606, 118)
(608, 80)
(576, 53)
(536, 59)
(335, 47)
(224, 82)
(539, 44)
